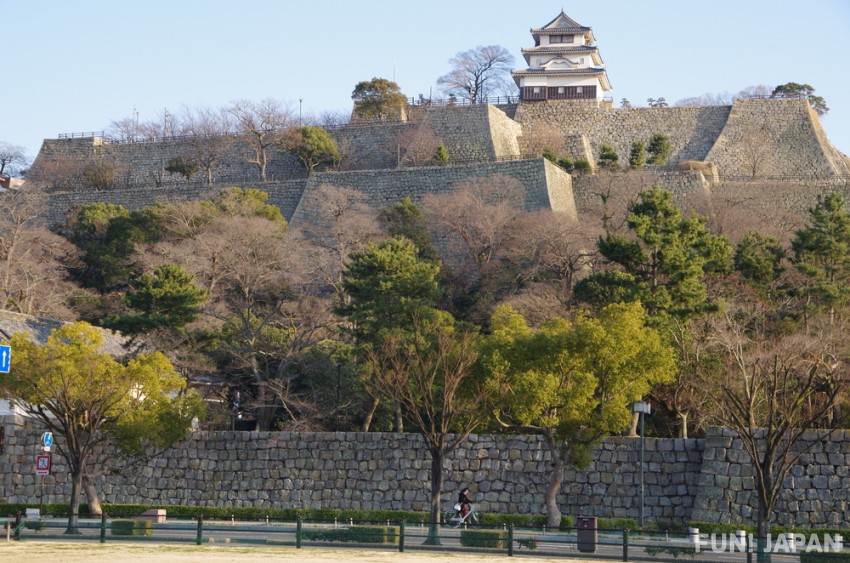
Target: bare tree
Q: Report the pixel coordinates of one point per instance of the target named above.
(775, 392)
(341, 222)
(415, 146)
(34, 262)
(12, 158)
(477, 73)
(482, 212)
(261, 125)
(209, 138)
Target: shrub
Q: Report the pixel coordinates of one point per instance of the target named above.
(99, 175)
(637, 156)
(659, 149)
(442, 155)
(607, 156)
(522, 520)
(36, 525)
(824, 557)
(355, 534)
(566, 163)
(494, 539)
(550, 155)
(181, 166)
(582, 165)
(616, 524)
(132, 528)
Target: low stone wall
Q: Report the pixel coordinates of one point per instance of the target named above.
(369, 471)
(816, 492)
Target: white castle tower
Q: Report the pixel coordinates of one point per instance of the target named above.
(564, 64)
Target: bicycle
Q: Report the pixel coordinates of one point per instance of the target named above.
(453, 518)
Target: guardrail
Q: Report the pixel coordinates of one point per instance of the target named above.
(583, 542)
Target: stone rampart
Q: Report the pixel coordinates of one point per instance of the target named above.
(285, 195)
(775, 137)
(546, 186)
(816, 491)
(692, 130)
(708, 480)
(370, 471)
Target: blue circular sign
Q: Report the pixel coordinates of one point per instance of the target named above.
(47, 439)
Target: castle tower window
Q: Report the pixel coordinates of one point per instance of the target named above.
(562, 39)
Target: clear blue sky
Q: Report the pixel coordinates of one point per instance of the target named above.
(71, 66)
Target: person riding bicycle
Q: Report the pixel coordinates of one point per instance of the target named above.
(464, 502)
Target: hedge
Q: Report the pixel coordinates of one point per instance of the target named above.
(355, 534)
(824, 557)
(494, 539)
(132, 528)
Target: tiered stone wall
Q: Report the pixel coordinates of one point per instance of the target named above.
(285, 195)
(775, 137)
(474, 133)
(692, 130)
(371, 471)
(546, 185)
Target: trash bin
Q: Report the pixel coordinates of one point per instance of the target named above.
(586, 535)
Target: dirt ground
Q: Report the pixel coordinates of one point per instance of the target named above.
(57, 552)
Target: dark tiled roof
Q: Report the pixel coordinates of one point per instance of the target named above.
(550, 49)
(592, 71)
(40, 328)
(561, 23)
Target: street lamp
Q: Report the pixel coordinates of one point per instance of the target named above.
(642, 409)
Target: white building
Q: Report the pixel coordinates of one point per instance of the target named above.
(564, 64)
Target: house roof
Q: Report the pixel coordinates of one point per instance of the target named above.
(562, 23)
(548, 50)
(39, 328)
(600, 72)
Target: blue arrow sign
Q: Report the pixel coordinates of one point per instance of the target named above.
(5, 358)
(47, 439)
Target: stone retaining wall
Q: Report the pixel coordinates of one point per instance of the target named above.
(708, 480)
(546, 186)
(370, 471)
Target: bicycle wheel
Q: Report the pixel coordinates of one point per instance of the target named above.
(449, 521)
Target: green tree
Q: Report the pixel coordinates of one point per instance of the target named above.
(167, 299)
(313, 146)
(659, 149)
(758, 258)
(822, 252)
(405, 219)
(607, 156)
(378, 98)
(794, 90)
(110, 261)
(442, 155)
(573, 383)
(387, 285)
(428, 369)
(637, 156)
(91, 222)
(182, 166)
(84, 395)
(664, 265)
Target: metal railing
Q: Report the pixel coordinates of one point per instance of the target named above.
(588, 542)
